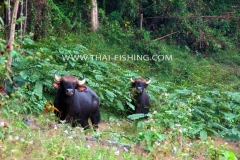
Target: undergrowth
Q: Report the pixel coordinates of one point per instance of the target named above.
(191, 97)
(34, 137)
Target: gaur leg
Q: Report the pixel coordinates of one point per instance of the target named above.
(85, 124)
(95, 119)
(146, 110)
(138, 109)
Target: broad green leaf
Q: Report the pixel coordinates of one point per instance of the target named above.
(23, 74)
(110, 94)
(13, 53)
(228, 155)
(147, 137)
(130, 105)
(234, 95)
(203, 135)
(235, 131)
(99, 77)
(149, 147)
(120, 105)
(28, 41)
(72, 63)
(136, 116)
(38, 89)
(140, 124)
(184, 91)
(1, 60)
(160, 136)
(9, 78)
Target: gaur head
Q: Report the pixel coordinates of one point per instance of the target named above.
(140, 84)
(68, 84)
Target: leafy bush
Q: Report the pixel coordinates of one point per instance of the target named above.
(34, 67)
(201, 112)
(182, 114)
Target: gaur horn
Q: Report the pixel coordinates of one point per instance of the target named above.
(82, 81)
(133, 81)
(56, 77)
(149, 81)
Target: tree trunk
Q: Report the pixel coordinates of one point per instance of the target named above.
(25, 21)
(12, 33)
(94, 16)
(8, 12)
(11, 40)
(8, 18)
(141, 21)
(21, 24)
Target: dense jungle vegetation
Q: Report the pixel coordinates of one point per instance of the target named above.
(189, 49)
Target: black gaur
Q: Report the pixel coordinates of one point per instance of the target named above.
(75, 102)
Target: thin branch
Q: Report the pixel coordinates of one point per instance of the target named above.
(110, 143)
(183, 17)
(165, 36)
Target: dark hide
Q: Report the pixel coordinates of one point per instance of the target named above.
(76, 103)
(141, 99)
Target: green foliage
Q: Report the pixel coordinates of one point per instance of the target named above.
(194, 90)
(136, 116)
(192, 113)
(200, 113)
(34, 65)
(3, 59)
(1, 23)
(115, 16)
(206, 27)
(52, 17)
(213, 112)
(116, 34)
(220, 152)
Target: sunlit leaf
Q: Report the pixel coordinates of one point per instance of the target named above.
(23, 74)
(120, 105)
(38, 89)
(203, 135)
(184, 91)
(136, 116)
(130, 105)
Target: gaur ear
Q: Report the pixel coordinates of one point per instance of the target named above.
(81, 88)
(56, 85)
